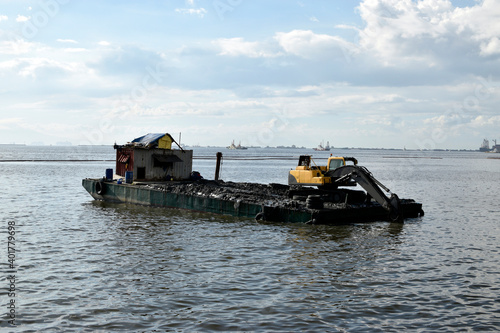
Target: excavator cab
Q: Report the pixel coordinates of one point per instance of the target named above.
(304, 160)
(337, 162)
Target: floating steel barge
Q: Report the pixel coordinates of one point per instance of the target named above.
(156, 175)
(273, 202)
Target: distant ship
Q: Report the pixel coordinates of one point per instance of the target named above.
(233, 146)
(495, 148)
(321, 148)
(485, 146)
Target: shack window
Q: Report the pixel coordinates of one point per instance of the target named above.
(165, 161)
(164, 165)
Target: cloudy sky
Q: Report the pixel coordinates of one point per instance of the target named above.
(373, 73)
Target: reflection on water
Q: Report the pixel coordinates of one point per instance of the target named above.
(93, 266)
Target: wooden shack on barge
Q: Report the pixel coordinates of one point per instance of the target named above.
(151, 157)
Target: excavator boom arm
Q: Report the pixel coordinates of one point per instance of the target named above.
(365, 179)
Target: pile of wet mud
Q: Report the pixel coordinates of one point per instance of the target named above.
(274, 195)
(264, 194)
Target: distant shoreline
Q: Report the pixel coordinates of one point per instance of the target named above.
(253, 147)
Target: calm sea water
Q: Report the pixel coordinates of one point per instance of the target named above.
(88, 266)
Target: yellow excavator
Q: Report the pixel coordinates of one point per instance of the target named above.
(344, 171)
(313, 175)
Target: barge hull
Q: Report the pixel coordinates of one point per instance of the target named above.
(149, 195)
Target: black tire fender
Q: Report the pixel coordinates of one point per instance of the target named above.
(396, 214)
(100, 187)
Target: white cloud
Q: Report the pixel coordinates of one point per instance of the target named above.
(428, 31)
(486, 121)
(16, 46)
(61, 130)
(40, 67)
(32, 66)
(240, 47)
(490, 48)
(104, 43)
(22, 18)
(3, 18)
(7, 123)
(75, 49)
(307, 44)
(300, 43)
(483, 20)
(192, 11)
(71, 41)
(402, 43)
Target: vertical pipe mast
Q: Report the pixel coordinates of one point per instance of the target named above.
(217, 165)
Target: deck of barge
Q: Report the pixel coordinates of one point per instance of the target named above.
(273, 202)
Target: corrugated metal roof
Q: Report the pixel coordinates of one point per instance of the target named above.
(150, 138)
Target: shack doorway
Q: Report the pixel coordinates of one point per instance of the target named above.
(141, 173)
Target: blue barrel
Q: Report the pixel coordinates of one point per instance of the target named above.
(109, 174)
(129, 177)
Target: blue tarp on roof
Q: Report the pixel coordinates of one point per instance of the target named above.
(149, 138)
